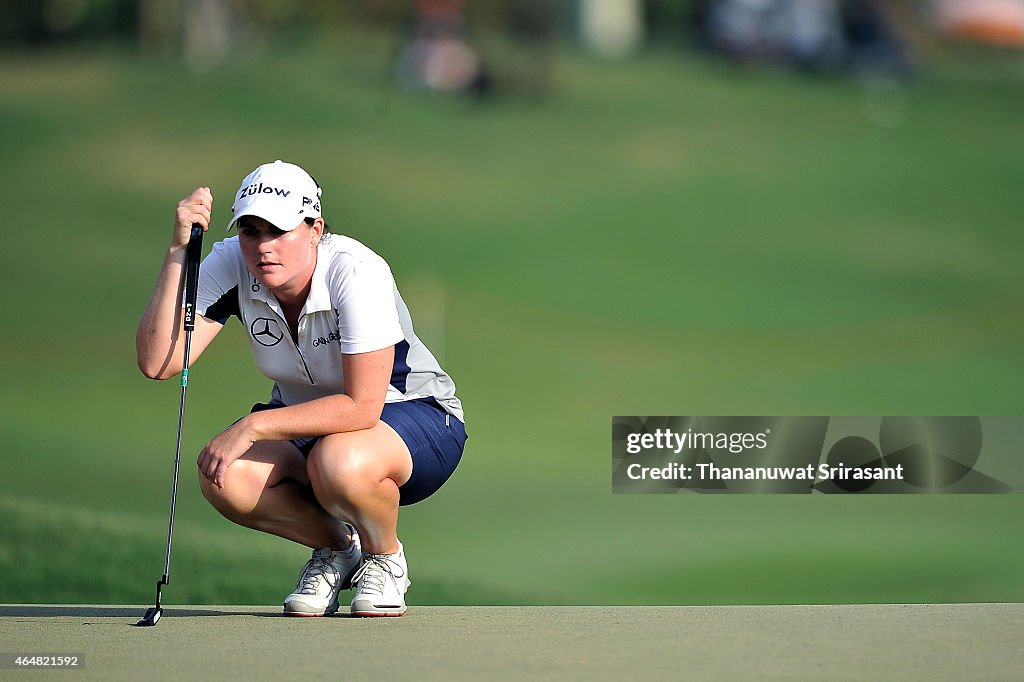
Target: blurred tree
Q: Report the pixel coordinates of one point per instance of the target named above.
(517, 41)
(21, 22)
(158, 25)
(39, 22)
(675, 21)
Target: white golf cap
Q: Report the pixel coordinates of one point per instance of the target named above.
(280, 193)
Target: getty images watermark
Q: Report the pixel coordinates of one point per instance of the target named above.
(817, 454)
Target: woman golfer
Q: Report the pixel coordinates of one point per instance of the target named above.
(361, 419)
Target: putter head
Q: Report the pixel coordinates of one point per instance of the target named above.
(152, 617)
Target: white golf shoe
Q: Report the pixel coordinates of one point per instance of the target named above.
(325, 574)
(381, 582)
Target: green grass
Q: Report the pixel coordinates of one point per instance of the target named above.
(662, 236)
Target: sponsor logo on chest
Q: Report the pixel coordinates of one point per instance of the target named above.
(333, 337)
(266, 331)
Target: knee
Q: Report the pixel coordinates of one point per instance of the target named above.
(342, 470)
(243, 485)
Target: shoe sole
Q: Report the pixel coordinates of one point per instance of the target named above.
(307, 614)
(331, 610)
(370, 610)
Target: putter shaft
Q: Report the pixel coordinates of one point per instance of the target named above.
(193, 252)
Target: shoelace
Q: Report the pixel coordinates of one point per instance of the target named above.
(316, 568)
(373, 573)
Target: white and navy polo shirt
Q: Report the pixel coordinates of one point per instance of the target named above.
(353, 307)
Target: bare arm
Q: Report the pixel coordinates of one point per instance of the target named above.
(366, 383)
(158, 344)
(367, 376)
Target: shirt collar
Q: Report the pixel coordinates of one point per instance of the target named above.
(319, 298)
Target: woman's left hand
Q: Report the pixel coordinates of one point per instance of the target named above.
(225, 448)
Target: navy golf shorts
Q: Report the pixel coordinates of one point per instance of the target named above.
(435, 440)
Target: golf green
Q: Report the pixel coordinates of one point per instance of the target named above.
(836, 642)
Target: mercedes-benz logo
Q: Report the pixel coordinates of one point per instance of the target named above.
(266, 331)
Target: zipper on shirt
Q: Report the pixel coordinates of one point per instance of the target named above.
(304, 365)
(295, 345)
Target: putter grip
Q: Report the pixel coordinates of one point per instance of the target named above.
(192, 254)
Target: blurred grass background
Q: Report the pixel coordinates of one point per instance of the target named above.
(660, 235)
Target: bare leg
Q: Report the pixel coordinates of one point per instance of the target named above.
(267, 489)
(356, 476)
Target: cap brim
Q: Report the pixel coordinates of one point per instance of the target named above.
(276, 220)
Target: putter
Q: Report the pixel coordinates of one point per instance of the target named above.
(192, 253)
